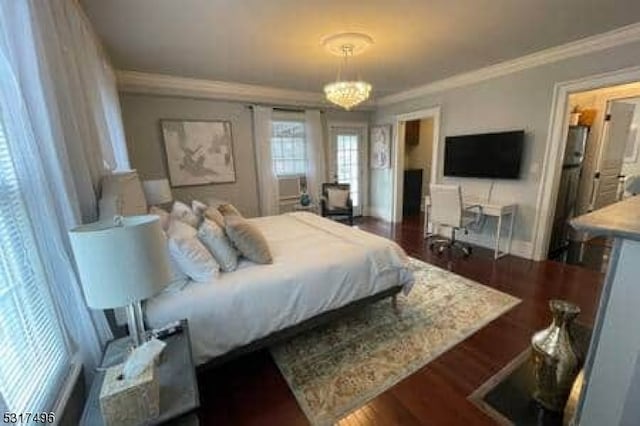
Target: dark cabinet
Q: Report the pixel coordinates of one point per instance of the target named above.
(412, 193)
(412, 132)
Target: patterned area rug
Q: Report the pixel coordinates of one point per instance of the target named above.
(337, 368)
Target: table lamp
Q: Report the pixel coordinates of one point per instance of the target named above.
(157, 191)
(121, 263)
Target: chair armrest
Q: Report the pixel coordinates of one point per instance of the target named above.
(349, 203)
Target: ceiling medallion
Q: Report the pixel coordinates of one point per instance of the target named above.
(346, 92)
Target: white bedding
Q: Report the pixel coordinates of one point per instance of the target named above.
(318, 265)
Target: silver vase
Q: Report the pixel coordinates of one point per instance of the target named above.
(554, 358)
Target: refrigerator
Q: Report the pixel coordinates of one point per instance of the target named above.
(568, 189)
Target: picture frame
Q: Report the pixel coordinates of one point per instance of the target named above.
(198, 152)
(380, 147)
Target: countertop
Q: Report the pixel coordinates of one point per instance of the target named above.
(620, 220)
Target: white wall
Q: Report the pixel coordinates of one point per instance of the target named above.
(520, 100)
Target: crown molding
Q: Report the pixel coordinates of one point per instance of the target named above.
(168, 85)
(617, 37)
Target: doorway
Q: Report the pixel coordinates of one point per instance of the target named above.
(348, 151)
(414, 162)
(600, 155)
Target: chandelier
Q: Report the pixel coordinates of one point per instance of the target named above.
(344, 92)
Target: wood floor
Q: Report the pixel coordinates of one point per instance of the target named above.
(251, 391)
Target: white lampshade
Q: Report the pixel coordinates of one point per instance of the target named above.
(157, 191)
(121, 264)
(121, 195)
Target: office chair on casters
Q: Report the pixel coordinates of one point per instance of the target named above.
(448, 210)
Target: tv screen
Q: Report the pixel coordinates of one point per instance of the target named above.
(488, 155)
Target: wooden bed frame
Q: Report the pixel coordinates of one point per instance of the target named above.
(308, 324)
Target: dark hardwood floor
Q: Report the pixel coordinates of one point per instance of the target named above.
(251, 391)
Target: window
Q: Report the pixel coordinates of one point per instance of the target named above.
(34, 358)
(288, 147)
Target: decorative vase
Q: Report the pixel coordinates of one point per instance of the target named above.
(305, 200)
(554, 358)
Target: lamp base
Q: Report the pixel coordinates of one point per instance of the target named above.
(135, 323)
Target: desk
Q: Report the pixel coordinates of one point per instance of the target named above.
(499, 210)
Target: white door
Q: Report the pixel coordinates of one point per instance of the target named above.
(347, 162)
(616, 134)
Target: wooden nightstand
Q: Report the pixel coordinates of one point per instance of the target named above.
(179, 396)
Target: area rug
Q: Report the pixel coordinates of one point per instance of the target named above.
(336, 368)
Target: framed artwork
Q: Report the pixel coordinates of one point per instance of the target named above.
(631, 147)
(381, 147)
(198, 152)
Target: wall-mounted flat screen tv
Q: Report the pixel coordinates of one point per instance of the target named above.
(487, 155)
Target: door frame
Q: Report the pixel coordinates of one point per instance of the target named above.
(556, 141)
(398, 155)
(363, 127)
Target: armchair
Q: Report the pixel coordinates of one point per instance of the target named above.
(327, 210)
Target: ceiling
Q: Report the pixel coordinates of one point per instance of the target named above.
(278, 42)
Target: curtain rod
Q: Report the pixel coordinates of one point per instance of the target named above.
(286, 109)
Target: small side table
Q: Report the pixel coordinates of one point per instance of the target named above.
(179, 396)
(311, 208)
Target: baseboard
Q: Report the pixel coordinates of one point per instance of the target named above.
(377, 212)
(518, 248)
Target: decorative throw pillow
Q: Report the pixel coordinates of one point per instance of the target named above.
(194, 259)
(248, 239)
(214, 215)
(228, 210)
(337, 198)
(198, 207)
(214, 238)
(165, 217)
(183, 212)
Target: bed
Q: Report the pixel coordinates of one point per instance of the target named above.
(319, 268)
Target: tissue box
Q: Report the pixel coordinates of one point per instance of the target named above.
(129, 402)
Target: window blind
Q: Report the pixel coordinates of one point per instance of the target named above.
(34, 357)
(288, 148)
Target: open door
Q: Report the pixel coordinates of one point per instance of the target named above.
(347, 162)
(616, 134)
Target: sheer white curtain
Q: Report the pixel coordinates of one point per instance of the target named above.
(316, 153)
(59, 105)
(267, 180)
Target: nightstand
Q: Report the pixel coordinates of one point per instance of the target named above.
(179, 396)
(311, 208)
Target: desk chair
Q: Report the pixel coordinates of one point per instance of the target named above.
(448, 210)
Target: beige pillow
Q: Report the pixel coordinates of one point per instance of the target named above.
(248, 239)
(228, 210)
(198, 207)
(214, 215)
(214, 238)
(337, 198)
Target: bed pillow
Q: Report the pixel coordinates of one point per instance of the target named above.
(183, 212)
(180, 230)
(214, 215)
(214, 238)
(228, 210)
(248, 239)
(337, 198)
(179, 279)
(165, 217)
(193, 259)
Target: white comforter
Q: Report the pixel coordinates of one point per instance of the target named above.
(318, 265)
